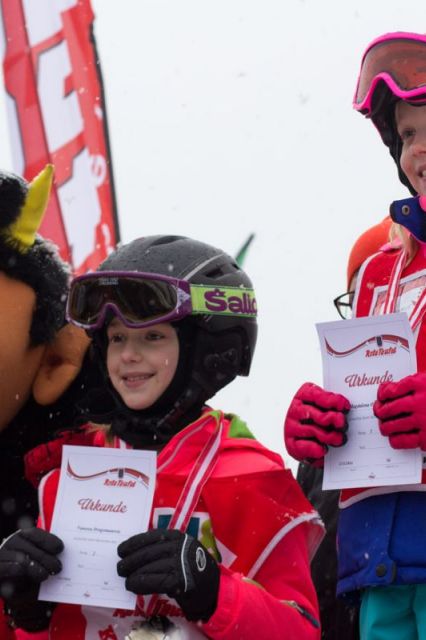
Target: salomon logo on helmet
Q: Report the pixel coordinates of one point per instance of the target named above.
(234, 301)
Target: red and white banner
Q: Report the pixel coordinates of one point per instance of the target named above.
(56, 114)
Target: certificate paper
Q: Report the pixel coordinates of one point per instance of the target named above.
(104, 497)
(358, 355)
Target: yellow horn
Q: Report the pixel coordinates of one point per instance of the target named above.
(24, 229)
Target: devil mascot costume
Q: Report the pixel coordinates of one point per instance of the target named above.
(40, 355)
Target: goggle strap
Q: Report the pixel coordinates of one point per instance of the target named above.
(227, 301)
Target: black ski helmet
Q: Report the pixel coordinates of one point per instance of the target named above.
(393, 68)
(222, 346)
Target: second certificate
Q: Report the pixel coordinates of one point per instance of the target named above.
(357, 356)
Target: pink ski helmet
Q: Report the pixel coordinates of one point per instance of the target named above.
(393, 68)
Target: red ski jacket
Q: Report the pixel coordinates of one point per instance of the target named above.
(251, 515)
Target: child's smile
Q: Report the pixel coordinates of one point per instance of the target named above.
(136, 380)
(133, 380)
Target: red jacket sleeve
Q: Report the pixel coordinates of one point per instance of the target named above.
(282, 602)
(6, 632)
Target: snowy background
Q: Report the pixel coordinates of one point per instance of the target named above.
(229, 117)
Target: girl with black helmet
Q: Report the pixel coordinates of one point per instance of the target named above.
(382, 531)
(173, 321)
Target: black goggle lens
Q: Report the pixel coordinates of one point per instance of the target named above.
(138, 299)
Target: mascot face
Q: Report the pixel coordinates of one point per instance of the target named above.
(38, 354)
(19, 362)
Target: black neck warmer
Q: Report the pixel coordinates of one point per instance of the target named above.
(181, 403)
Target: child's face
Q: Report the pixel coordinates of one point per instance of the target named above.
(141, 363)
(411, 125)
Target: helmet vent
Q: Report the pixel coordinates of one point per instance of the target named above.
(218, 272)
(165, 240)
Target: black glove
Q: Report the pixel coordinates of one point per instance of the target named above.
(27, 558)
(171, 562)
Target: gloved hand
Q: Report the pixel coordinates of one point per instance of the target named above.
(401, 410)
(315, 420)
(27, 558)
(171, 562)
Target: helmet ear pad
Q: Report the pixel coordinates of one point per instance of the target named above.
(218, 359)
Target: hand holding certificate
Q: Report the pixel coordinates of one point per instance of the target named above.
(104, 497)
(358, 355)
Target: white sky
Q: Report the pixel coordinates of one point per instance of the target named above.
(228, 117)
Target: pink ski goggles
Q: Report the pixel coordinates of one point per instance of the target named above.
(399, 60)
(144, 299)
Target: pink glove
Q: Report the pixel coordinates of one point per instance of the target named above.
(401, 410)
(316, 419)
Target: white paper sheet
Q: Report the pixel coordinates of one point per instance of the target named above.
(104, 497)
(358, 355)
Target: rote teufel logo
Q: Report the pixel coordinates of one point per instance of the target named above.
(125, 477)
(384, 345)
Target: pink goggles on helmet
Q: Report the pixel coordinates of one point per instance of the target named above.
(399, 60)
(144, 299)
